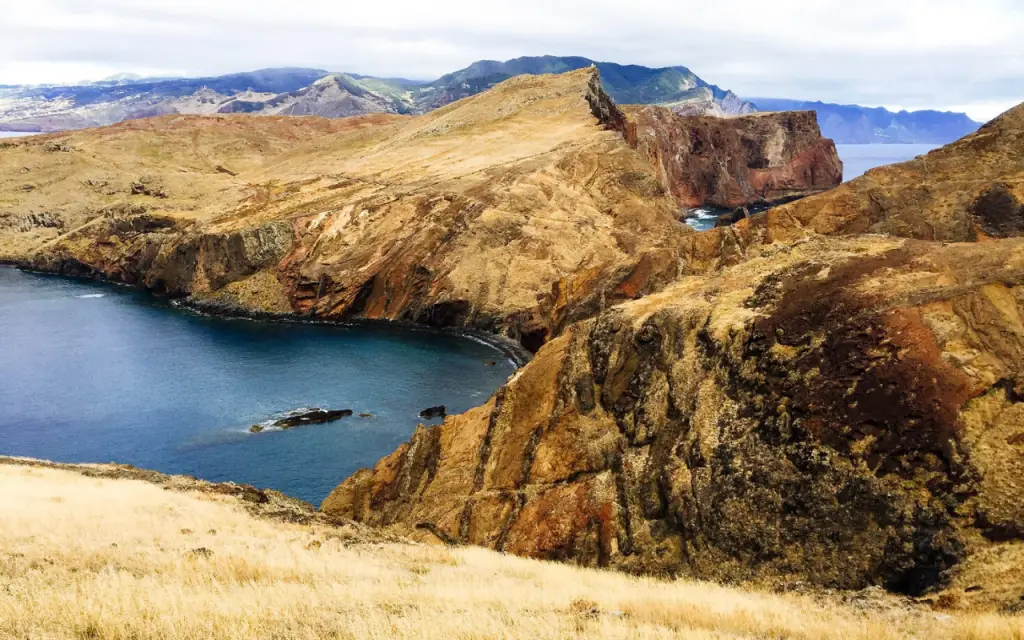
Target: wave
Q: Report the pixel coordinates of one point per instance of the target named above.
(703, 214)
(92, 295)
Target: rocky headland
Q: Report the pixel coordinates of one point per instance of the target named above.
(517, 212)
(760, 159)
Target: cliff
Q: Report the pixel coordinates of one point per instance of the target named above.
(825, 411)
(751, 159)
(844, 411)
(518, 211)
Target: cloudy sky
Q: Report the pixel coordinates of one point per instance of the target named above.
(962, 55)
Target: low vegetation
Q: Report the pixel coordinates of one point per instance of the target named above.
(87, 556)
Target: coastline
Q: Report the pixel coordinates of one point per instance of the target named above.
(518, 355)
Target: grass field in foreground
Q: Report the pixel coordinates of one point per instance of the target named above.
(88, 557)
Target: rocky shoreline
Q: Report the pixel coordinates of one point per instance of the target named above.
(511, 350)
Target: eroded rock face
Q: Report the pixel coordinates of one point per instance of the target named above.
(730, 162)
(814, 412)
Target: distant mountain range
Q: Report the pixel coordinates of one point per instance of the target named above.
(675, 87)
(851, 124)
(317, 92)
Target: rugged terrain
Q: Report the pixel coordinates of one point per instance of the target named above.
(518, 211)
(758, 159)
(828, 393)
(112, 552)
(845, 411)
(312, 92)
(852, 124)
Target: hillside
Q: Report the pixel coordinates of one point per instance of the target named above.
(110, 552)
(852, 124)
(311, 92)
(831, 392)
(970, 190)
(516, 211)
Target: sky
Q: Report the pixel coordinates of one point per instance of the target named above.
(959, 55)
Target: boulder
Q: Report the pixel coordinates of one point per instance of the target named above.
(432, 413)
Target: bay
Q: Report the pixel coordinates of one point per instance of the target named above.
(96, 373)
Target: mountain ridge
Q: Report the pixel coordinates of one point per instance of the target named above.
(855, 124)
(273, 91)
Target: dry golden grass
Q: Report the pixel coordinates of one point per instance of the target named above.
(86, 557)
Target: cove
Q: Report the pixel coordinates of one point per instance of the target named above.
(91, 372)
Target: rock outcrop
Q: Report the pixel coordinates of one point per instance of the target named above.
(752, 159)
(845, 411)
(518, 211)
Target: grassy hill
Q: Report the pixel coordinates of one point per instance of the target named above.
(106, 552)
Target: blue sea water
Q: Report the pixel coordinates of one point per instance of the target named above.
(97, 373)
(857, 159)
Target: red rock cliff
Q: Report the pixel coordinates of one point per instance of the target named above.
(730, 162)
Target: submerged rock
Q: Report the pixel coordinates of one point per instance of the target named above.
(312, 416)
(431, 413)
(301, 418)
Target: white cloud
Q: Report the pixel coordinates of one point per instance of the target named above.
(917, 53)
